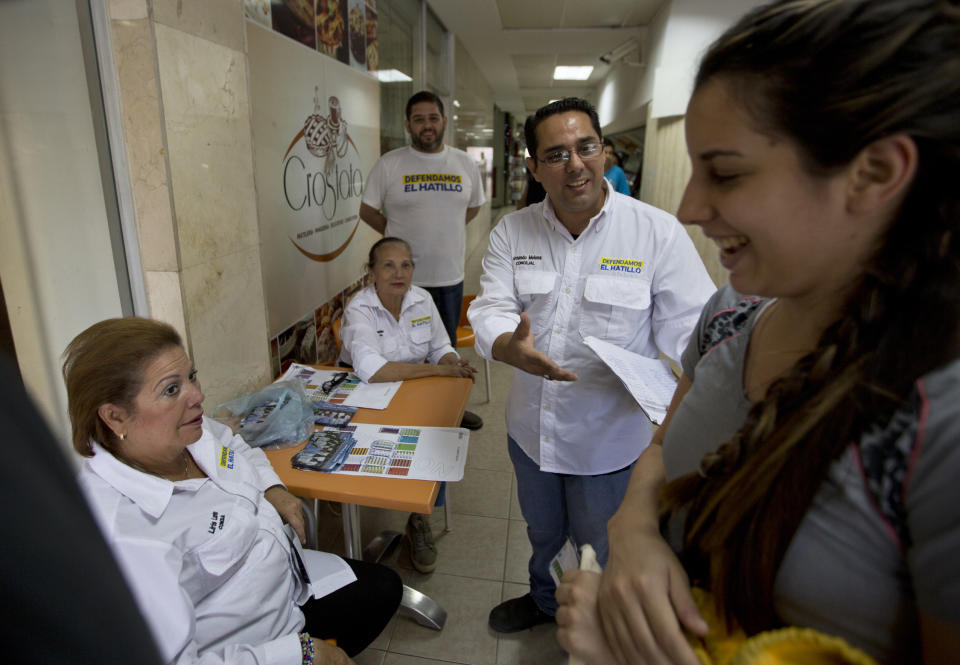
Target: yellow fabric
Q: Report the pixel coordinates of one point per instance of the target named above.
(785, 646)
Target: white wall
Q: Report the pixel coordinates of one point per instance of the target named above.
(56, 262)
(691, 27)
(676, 38)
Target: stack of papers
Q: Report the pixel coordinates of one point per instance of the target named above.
(350, 392)
(393, 451)
(326, 451)
(649, 380)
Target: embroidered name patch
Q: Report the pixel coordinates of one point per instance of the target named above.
(420, 321)
(433, 182)
(621, 265)
(527, 260)
(216, 522)
(226, 457)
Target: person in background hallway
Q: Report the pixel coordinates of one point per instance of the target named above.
(533, 192)
(584, 263)
(194, 514)
(64, 599)
(612, 170)
(426, 193)
(390, 329)
(810, 457)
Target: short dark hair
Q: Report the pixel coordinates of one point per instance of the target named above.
(564, 105)
(424, 96)
(386, 240)
(609, 142)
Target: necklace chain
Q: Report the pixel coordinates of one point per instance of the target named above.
(186, 467)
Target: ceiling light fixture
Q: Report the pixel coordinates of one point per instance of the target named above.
(561, 73)
(456, 103)
(620, 52)
(392, 76)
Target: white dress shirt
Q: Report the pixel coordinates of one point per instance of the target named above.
(372, 337)
(206, 558)
(632, 278)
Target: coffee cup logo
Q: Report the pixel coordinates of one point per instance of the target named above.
(325, 137)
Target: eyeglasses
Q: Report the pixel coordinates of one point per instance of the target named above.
(586, 152)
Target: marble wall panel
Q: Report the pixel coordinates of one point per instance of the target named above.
(206, 114)
(165, 299)
(228, 326)
(135, 58)
(666, 170)
(121, 10)
(219, 21)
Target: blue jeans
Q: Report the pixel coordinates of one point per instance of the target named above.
(448, 300)
(557, 506)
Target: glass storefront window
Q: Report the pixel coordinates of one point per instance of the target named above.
(438, 56)
(398, 32)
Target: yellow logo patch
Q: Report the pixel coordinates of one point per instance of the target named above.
(621, 265)
(226, 457)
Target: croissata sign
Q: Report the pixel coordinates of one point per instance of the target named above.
(316, 133)
(324, 190)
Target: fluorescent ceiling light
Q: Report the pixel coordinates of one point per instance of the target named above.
(392, 76)
(561, 73)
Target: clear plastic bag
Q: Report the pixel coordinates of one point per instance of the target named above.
(277, 416)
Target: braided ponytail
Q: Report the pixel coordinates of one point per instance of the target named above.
(834, 76)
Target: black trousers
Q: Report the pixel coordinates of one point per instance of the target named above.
(356, 614)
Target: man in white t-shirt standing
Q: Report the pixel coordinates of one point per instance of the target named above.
(426, 193)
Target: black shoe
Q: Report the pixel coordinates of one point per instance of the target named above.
(517, 614)
(471, 420)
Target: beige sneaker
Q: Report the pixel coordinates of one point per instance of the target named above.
(423, 552)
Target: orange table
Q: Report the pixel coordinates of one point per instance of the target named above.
(436, 401)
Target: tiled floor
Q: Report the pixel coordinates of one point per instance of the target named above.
(482, 560)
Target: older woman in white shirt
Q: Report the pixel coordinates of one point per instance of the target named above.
(391, 332)
(195, 516)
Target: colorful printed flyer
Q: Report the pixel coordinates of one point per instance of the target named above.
(424, 453)
(349, 392)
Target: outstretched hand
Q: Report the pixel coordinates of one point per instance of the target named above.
(517, 349)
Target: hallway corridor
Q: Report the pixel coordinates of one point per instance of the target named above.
(482, 561)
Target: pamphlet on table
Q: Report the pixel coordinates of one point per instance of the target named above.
(649, 380)
(348, 390)
(424, 453)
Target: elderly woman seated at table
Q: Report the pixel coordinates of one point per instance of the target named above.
(194, 514)
(392, 331)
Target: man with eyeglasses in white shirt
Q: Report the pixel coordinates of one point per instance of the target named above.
(586, 261)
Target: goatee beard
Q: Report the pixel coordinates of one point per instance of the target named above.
(432, 146)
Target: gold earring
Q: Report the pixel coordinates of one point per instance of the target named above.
(123, 436)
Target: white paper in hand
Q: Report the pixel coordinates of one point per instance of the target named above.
(649, 380)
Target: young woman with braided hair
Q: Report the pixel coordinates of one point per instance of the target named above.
(808, 469)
